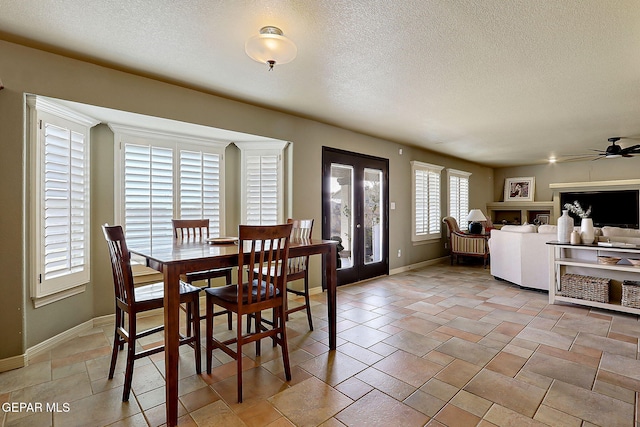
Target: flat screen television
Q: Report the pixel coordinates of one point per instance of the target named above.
(618, 208)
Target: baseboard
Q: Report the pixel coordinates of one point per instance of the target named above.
(14, 362)
(22, 360)
(410, 267)
(48, 344)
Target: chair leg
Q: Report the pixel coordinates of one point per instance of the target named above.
(131, 353)
(196, 332)
(306, 300)
(239, 357)
(190, 317)
(283, 342)
(258, 317)
(116, 344)
(209, 334)
(229, 280)
(229, 320)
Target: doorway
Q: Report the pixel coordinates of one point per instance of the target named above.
(355, 212)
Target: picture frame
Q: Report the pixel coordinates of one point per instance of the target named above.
(519, 189)
(542, 219)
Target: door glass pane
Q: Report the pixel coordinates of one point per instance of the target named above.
(341, 221)
(372, 216)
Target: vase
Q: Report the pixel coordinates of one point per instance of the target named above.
(587, 233)
(565, 227)
(575, 238)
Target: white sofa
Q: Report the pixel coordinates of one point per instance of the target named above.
(519, 253)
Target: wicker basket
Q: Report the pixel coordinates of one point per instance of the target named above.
(585, 287)
(631, 294)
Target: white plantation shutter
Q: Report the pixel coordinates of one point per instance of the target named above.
(459, 196)
(60, 255)
(262, 183)
(426, 200)
(163, 176)
(200, 188)
(148, 193)
(262, 190)
(65, 202)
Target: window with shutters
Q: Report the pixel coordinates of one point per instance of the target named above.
(426, 201)
(60, 227)
(459, 196)
(164, 176)
(262, 200)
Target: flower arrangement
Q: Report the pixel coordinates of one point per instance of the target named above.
(575, 208)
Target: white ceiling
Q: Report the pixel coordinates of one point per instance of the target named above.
(495, 81)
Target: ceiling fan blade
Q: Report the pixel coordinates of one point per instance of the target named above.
(630, 150)
(578, 158)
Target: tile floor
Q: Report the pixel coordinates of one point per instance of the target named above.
(440, 346)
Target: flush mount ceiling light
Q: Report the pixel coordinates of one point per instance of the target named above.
(271, 47)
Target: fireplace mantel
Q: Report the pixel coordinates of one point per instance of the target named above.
(621, 184)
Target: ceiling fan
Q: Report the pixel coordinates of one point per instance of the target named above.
(616, 151)
(611, 152)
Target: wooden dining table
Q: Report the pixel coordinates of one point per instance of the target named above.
(174, 258)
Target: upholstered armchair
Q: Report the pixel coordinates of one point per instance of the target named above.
(462, 244)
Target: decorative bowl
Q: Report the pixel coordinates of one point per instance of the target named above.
(634, 261)
(611, 260)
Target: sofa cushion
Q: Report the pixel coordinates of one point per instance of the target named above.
(547, 229)
(529, 228)
(620, 232)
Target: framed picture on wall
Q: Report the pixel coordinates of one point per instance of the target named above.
(519, 189)
(542, 219)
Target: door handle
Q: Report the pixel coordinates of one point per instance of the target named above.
(357, 225)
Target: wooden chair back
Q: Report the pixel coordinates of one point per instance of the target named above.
(120, 264)
(268, 249)
(190, 229)
(301, 231)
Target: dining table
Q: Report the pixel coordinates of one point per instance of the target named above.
(174, 258)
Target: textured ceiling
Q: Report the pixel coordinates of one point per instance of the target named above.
(498, 82)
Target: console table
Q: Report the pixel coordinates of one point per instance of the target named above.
(583, 259)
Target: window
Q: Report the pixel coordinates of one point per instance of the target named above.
(426, 201)
(459, 196)
(60, 228)
(262, 182)
(165, 176)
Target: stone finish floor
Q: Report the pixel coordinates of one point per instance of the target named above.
(439, 346)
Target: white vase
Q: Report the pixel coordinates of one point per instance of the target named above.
(587, 233)
(565, 227)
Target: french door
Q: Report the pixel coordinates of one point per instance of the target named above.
(355, 212)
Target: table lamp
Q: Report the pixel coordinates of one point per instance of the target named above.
(475, 216)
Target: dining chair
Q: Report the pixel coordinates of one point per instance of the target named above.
(198, 230)
(131, 301)
(297, 269)
(262, 250)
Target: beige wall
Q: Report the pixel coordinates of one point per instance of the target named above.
(24, 70)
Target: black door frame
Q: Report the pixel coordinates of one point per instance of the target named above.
(360, 271)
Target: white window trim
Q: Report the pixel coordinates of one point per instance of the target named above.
(260, 148)
(46, 292)
(462, 221)
(417, 165)
(173, 140)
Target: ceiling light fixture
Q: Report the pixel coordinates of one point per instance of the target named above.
(271, 47)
